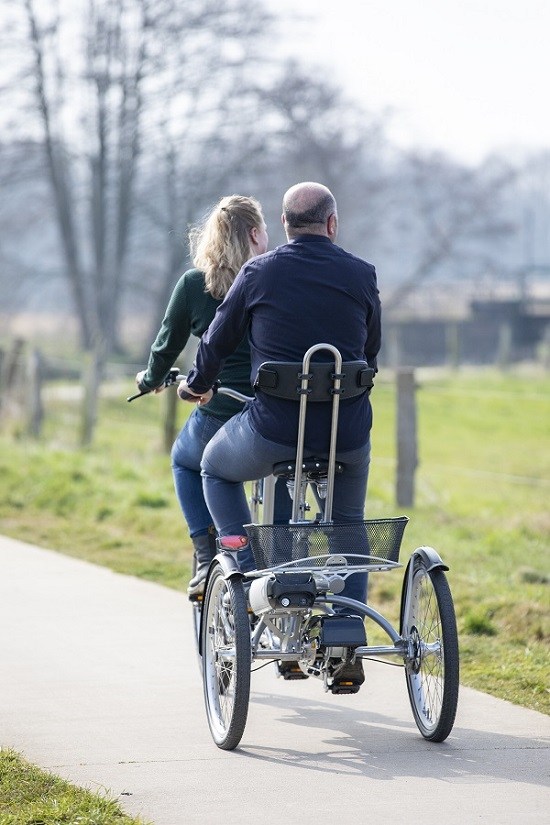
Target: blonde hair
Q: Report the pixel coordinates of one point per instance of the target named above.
(220, 245)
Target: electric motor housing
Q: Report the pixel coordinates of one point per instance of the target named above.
(282, 592)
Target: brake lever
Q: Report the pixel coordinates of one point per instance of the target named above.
(170, 379)
(138, 395)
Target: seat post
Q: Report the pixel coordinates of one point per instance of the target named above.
(268, 498)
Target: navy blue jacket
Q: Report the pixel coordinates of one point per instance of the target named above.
(305, 292)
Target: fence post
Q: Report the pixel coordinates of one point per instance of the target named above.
(452, 344)
(12, 385)
(504, 352)
(169, 422)
(543, 350)
(407, 452)
(35, 409)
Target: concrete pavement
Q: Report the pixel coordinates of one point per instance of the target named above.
(100, 684)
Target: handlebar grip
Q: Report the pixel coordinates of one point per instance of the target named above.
(172, 377)
(187, 396)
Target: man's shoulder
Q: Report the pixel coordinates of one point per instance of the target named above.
(272, 254)
(295, 251)
(356, 259)
(259, 262)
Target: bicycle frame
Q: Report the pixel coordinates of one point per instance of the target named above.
(285, 611)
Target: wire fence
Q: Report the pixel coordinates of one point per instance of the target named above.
(30, 380)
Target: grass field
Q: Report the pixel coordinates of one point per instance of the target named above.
(30, 796)
(482, 489)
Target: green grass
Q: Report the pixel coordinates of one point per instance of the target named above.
(482, 489)
(483, 483)
(112, 503)
(30, 796)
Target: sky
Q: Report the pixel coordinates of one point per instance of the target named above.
(467, 77)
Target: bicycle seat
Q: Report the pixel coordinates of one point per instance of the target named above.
(312, 468)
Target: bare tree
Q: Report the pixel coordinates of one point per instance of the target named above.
(109, 78)
(272, 134)
(313, 132)
(446, 215)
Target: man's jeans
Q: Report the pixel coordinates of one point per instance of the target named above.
(186, 460)
(237, 453)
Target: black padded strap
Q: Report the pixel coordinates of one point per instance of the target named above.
(284, 380)
(311, 468)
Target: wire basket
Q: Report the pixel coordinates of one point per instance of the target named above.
(275, 544)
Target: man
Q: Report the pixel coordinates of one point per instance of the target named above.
(305, 292)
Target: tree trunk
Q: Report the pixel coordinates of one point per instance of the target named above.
(92, 374)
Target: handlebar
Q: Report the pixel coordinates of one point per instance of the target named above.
(174, 377)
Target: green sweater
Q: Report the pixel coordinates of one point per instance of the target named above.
(189, 312)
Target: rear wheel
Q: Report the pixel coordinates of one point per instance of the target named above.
(226, 658)
(432, 666)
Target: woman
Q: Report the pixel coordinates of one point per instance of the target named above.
(232, 233)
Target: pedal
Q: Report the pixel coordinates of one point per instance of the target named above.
(291, 671)
(196, 597)
(340, 688)
(349, 679)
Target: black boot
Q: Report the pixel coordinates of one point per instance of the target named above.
(205, 550)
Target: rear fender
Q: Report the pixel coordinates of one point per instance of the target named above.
(227, 560)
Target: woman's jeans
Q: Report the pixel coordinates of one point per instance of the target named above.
(237, 453)
(186, 464)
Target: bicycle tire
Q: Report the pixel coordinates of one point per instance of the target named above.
(196, 608)
(432, 668)
(226, 658)
(196, 620)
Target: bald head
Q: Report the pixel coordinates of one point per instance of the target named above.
(309, 208)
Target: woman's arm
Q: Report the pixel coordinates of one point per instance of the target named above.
(170, 341)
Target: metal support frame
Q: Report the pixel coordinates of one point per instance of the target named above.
(327, 515)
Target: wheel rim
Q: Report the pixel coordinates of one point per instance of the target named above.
(426, 664)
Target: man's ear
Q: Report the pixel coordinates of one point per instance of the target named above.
(332, 226)
(285, 227)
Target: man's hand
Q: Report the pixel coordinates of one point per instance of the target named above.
(187, 394)
(139, 379)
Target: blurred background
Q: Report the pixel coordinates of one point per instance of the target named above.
(123, 121)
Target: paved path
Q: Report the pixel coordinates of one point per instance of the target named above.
(100, 684)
